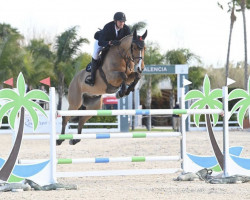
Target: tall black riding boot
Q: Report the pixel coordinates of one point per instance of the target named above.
(94, 67)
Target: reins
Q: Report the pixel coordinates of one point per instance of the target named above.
(130, 57)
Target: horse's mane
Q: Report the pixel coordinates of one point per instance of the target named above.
(126, 37)
(126, 41)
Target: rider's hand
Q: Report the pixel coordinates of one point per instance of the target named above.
(115, 42)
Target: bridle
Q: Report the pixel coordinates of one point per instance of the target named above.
(129, 56)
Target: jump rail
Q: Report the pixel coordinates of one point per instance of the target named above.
(107, 160)
(105, 136)
(53, 174)
(182, 136)
(119, 159)
(136, 112)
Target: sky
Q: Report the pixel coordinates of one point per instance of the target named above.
(199, 25)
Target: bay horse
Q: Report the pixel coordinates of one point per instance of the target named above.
(116, 75)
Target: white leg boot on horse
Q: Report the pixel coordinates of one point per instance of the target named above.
(94, 66)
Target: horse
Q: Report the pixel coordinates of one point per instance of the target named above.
(117, 74)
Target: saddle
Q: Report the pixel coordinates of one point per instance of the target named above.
(100, 60)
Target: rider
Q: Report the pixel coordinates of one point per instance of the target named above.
(108, 36)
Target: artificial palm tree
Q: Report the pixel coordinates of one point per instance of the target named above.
(19, 101)
(209, 100)
(243, 104)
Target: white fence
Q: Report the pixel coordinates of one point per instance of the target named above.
(43, 126)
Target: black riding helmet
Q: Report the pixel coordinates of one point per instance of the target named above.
(120, 16)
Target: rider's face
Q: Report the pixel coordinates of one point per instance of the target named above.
(120, 24)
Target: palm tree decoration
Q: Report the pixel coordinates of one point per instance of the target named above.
(243, 104)
(19, 101)
(209, 100)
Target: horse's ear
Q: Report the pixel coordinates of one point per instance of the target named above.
(145, 35)
(135, 35)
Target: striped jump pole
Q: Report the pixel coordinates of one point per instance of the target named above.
(137, 112)
(107, 160)
(105, 136)
(119, 159)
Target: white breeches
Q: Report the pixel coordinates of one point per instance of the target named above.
(97, 50)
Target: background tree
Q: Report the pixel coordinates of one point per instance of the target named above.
(78, 63)
(231, 8)
(236, 72)
(137, 26)
(174, 57)
(39, 60)
(152, 56)
(243, 4)
(11, 52)
(67, 46)
(196, 76)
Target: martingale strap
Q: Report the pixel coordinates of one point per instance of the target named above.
(110, 88)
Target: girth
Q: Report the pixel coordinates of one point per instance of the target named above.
(110, 88)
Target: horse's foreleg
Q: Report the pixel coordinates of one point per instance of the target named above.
(131, 78)
(122, 91)
(131, 87)
(65, 120)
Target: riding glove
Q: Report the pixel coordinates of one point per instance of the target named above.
(115, 42)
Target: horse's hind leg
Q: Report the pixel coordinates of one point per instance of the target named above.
(82, 121)
(92, 103)
(65, 120)
(74, 104)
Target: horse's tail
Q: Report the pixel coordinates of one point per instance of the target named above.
(76, 118)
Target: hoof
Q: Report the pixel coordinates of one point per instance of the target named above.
(128, 91)
(138, 76)
(59, 142)
(73, 142)
(121, 93)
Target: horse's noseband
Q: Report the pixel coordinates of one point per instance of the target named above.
(140, 44)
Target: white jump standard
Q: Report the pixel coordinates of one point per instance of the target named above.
(54, 137)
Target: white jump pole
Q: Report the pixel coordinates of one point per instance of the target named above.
(53, 114)
(136, 112)
(183, 130)
(225, 131)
